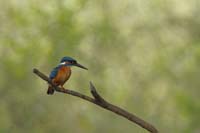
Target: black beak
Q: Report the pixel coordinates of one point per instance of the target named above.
(81, 66)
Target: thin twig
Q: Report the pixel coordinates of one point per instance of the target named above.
(98, 100)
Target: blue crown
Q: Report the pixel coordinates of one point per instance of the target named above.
(66, 58)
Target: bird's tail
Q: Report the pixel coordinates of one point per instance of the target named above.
(50, 90)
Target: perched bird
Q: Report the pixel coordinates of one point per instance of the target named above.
(60, 74)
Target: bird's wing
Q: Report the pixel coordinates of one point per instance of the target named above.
(54, 72)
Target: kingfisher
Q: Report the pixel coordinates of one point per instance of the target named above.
(60, 74)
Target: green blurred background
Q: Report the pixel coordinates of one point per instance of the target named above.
(142, 55)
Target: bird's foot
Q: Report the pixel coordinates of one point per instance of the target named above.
(62, 88)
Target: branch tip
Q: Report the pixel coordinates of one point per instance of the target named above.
(95, 93)
(35, 70)
(92, 88)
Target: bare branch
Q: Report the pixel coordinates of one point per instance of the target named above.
(95, 94)
(98, 100)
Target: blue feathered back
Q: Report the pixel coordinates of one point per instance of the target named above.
(54, 72)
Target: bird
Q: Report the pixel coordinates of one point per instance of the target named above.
(62, 72)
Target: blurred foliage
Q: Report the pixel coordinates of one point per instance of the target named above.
(142, 55)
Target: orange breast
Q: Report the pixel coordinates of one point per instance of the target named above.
(63, 75)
